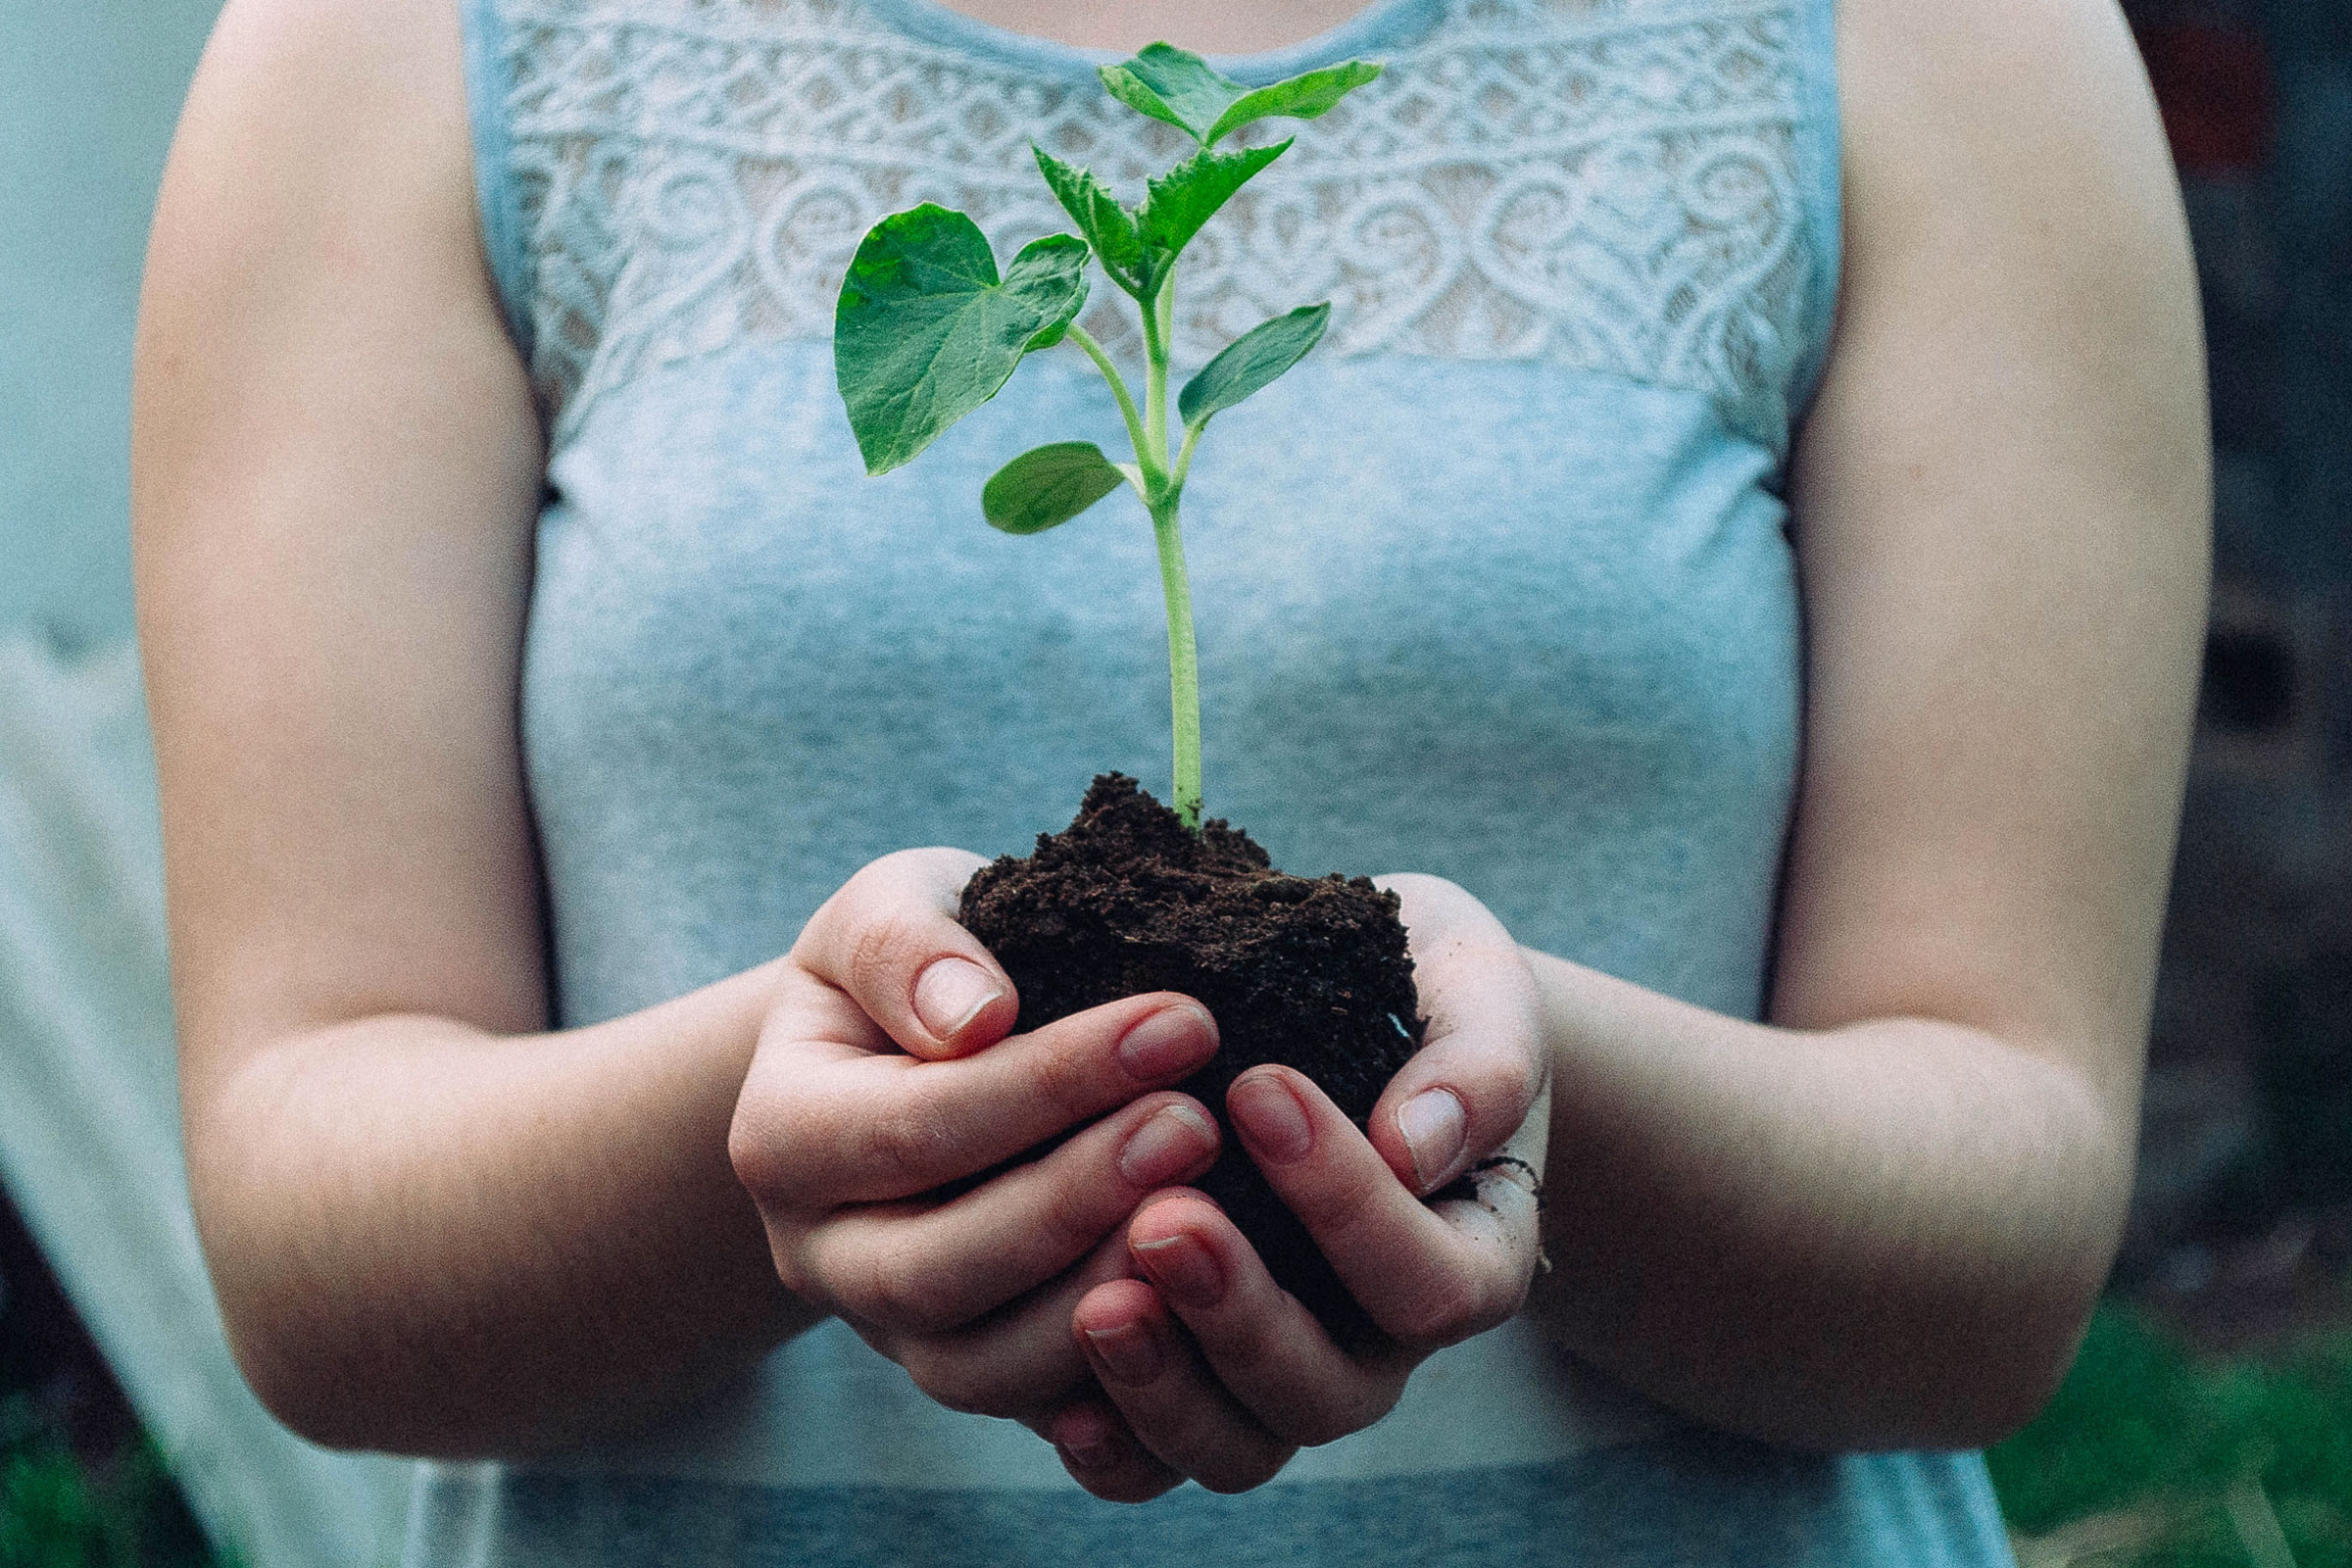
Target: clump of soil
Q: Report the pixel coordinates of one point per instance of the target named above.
(1311, 973)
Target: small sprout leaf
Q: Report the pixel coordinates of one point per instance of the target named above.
(1303, 97)
(1189, 195)
(1048, 485)
(1252, 362)
(1176, 85)
(1180, 87)
(1107, 227)
(925, 331)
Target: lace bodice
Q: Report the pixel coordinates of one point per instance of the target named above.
(1611, 184)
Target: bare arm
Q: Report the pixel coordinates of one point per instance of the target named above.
(437, 1226)
(1881, 1219)
(433, 1227)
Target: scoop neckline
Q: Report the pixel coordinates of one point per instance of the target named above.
(932, 20)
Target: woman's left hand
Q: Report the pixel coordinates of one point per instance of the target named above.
(1214, 1373)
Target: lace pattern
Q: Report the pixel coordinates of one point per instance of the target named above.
(1610, 184)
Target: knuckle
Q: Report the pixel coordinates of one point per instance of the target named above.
(1076, 1215)
(1371, 1404)
(1244, 1473)
(1505, 1297)
(765, 1162)
(1446, 1311)
(1334, 1212)
(841, 916)
(1499, 1083)
(954, 1379)
(904, 1146)
(1312, 1421)
(876, 948)
(1248, 1350)
(1314, 1430)
(1312, 1426)
(795, 1275)
(885, 1291)
(1066, 1080)
(752, 1161)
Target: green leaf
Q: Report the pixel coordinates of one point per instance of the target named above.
(1180, 201)
(1048, 485)
(925, 333)
(1302, 97)
(1252, 362)
(1175, 85)
(1180, 87)
(1107, 227)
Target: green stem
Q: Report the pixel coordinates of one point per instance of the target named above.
(1157, 313)
(1118, 389)
(1184, 675)
(1184, 455)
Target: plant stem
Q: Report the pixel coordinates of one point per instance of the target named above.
(1183, 677)
(1157, 313)
(1118, 389)
(1184, 455)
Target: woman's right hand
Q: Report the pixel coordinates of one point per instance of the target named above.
(884, 1073)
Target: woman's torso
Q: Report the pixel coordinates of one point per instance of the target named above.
(1494, 585)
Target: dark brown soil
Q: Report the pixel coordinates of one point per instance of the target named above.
(1309, 973)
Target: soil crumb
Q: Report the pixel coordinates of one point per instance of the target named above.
(1309, 972)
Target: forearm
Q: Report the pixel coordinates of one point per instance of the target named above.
(429, 1239)
(1880, 1236)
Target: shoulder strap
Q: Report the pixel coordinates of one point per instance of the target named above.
(489, 78)
(1820, 162)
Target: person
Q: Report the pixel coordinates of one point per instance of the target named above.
(549, 719)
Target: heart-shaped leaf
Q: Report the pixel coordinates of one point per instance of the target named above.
(925, 333)
(1252, 362)
(1180, 87)
(1107, 227)
(1048, 485)
(1180, 201)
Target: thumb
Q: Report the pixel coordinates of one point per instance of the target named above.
(889, 939)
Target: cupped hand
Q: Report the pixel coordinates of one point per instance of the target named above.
(884, 1073)
(1211, 1371)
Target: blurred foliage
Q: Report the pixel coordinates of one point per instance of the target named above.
(2151, 1457)
(56, 1512)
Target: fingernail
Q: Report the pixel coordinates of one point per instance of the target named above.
(1182, 1269)
(949, 994)
(1432, 1125)
(1130, 1354)
(1270, 1119)
(1085, 1438)
(1090, 1456)
(1168, 1043)
(1172, 1143)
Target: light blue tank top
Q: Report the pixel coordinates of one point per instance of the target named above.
(1494, 585)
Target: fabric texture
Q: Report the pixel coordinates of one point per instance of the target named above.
(1614, 186)
(1493, 585)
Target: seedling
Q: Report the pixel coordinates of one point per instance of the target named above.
(927, 329)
